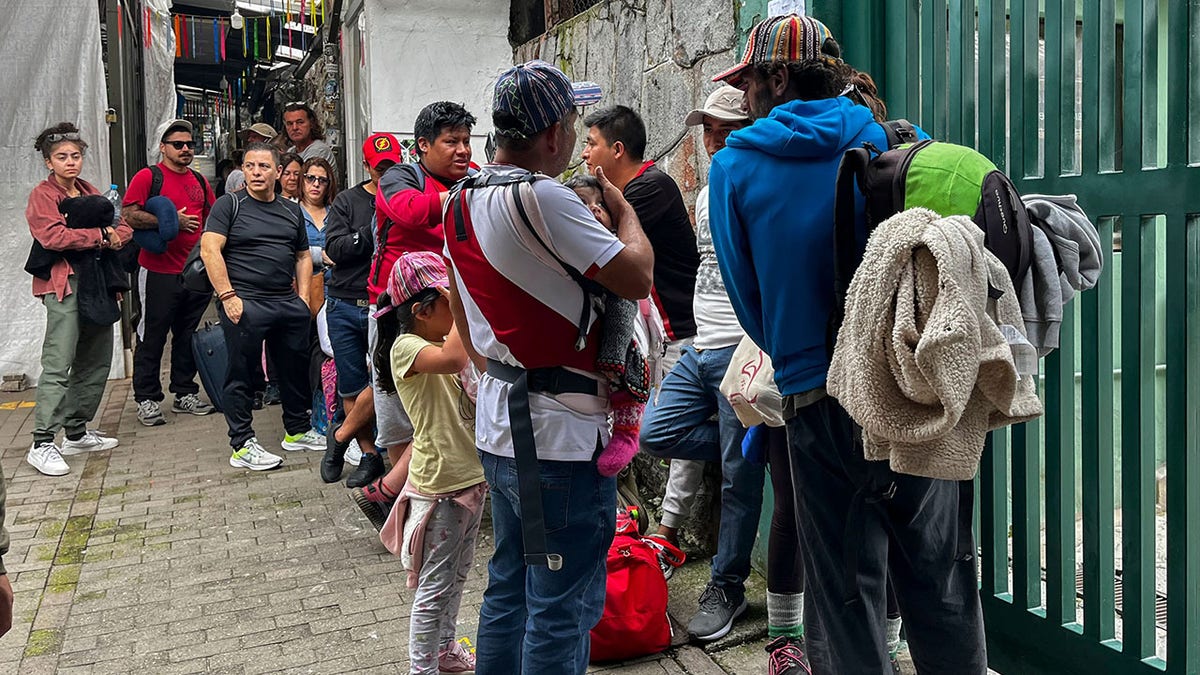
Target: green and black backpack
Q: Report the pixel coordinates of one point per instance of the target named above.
(945, 178)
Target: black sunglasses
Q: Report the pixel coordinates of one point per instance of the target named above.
(313, 178)
(179, 145)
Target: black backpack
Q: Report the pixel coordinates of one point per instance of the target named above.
(943, 177)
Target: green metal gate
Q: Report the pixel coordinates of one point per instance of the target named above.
(1100, 99)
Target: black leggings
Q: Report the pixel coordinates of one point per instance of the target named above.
(785, 569)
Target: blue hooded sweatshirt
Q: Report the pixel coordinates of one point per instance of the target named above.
(771, 210)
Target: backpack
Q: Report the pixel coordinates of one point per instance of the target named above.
(635, 621)
(946, 178)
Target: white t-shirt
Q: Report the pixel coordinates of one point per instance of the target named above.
(518, 284)
(717, 324)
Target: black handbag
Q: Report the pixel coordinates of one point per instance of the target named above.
(194, 277)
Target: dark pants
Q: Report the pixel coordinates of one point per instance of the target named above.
(283, 324)
(166, 307)
(918, 526)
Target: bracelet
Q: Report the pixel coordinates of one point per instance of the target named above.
(226, 295)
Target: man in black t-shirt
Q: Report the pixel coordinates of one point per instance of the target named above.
(255, 250)
(616, 142)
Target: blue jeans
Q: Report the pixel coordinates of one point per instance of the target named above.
(678, 424)
(348, 336)
(534, 621)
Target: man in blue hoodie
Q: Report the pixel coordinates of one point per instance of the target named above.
(859, 521)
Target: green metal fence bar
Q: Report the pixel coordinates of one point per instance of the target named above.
(970, 24)
(1137, 436)
(1060, 476)
(956, 49)
(1055, 82)
(992, 81)
(1023, 98)
(1106, 103)
(1097, 468)
(1027, 520)
(1183, 440)
(928, 86)
(1131, 98)
(1090, 105)
(1150, 83)
(940, 91)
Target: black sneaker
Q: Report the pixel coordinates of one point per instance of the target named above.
(258, 400)
(335, 457)
(370, 468)
(377, 513)
(271, 395)
(787, 657)
(718, 610)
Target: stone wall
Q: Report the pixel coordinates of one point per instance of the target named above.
(659, 58)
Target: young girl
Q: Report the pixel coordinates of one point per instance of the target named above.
(442, 503)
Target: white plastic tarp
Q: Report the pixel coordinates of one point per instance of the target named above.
(52, 73)
(158, 74)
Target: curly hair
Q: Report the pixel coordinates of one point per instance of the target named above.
(51, 138)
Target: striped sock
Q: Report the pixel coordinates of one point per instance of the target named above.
(785, 614)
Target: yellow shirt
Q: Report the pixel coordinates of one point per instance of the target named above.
(443, 450)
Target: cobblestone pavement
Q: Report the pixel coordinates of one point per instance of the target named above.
(158, 557)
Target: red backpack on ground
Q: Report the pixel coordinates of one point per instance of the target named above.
(635, 621)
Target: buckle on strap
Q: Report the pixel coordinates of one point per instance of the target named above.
(552, 380)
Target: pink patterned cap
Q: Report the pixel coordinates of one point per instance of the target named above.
(413, 273)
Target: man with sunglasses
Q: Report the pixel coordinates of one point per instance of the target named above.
(168, 307)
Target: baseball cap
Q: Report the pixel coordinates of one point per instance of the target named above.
(379, 147)
(723, 104)
(171, 126)
(414, 272)
(535, 95)
(262, 129)
(782, 38)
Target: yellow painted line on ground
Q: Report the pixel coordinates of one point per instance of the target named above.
(13, 405)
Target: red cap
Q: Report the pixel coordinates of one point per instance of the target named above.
(379, 147)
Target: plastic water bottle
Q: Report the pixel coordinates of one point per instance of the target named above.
(113, 195)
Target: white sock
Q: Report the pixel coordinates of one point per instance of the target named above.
(785, 614)
(893, 634)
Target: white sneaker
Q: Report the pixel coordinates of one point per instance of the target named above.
(46, 458)
(353, 453)
(150, 414)
(91, 441)
(309, 440)
(252, 456)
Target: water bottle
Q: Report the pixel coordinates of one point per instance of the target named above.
(114, 196)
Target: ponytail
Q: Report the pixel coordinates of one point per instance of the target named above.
(865, 93)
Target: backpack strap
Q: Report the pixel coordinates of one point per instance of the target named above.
(851, 172)
(899, 132)
(206, 190)
(156, 181)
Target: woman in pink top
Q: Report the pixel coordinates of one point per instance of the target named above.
(75, 354)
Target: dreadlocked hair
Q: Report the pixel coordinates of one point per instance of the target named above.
(391, 326)
(828, 76)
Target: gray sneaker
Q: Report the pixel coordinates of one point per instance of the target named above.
(191, 404)
(150, 414)
(719, 608)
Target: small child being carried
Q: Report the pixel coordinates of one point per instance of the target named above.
(435, 521)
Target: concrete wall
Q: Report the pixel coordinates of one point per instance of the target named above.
(418, 52)
(656, 56)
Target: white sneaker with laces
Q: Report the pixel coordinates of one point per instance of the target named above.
(150, 414)
(91, 441)
(192, 405)
(353, 453)
(252, 456)
(309, 440)
(46, 458)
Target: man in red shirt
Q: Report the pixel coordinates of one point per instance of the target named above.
(408, 217)
(166, 305)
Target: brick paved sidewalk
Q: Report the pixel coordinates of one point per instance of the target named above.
(158, 557)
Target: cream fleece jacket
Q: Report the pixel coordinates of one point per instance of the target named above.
(919, 362)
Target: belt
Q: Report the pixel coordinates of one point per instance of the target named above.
(556, 380)
(792, 403)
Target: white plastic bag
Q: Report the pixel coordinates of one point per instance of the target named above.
(749, 384)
